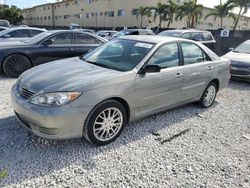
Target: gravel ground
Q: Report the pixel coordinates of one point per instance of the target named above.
(212, 152)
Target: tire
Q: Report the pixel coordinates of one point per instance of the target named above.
(15, 65)
(98, 126)
(208, 96)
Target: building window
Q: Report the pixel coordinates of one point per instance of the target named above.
(111, 14)
(88, 15)
(122, 12)
(101, 13)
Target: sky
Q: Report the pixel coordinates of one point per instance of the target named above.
(30, 3)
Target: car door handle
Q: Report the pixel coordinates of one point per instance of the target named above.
(178, 75)
(209, 68)
(71, 50)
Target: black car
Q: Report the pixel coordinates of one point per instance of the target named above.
(133, 32)
(16, 57)
(204, 37)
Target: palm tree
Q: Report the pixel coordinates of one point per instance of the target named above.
(162, 11)
(222, 11)
(191, 10)
(141, 11)
(173, 7)
(243, 5)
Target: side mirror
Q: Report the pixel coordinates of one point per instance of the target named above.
(6, 36)
(150, 69)
(48, 42)
(231, 49)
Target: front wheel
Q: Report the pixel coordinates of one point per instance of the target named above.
(15, 65)
(105, 122)
(209, 95)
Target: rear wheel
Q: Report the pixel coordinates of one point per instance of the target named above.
(15, 65)
(105, 123)
(209, 95)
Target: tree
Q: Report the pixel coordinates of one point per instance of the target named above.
(173, 7)
(162, 11)
(12, 14)
(222, 11)
(141, 11)
(191, 10)
(243, 6)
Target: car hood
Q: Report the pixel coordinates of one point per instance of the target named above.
(238, 57)
(70, 74)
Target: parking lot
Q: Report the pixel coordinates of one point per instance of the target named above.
(213, 150)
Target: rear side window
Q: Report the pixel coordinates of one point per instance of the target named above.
(196, 36)
(186, 36)
(19, 33)
(207, 36)
(193, 53)
(35, 32)
(82, 38)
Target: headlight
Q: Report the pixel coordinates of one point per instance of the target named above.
(55, 99)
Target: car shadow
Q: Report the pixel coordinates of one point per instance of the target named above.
(21, 152)
(239, 85)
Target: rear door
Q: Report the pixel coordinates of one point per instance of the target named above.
(83, 43)
(156, 91)
(198, 69)
(59, 49)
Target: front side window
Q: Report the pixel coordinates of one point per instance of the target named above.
(62, 38)
(193, 53)
(166, 56)
(122, 55)
(82, 38)
(19, 33)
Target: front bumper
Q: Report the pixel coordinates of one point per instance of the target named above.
(63, 122)
(240, 73)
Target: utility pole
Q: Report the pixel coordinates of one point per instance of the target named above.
(82, 17)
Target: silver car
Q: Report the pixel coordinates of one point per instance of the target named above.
(240, 61)
(121, 81)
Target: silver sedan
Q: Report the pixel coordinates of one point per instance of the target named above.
(124, 80)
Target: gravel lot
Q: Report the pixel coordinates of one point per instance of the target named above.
(212, 153)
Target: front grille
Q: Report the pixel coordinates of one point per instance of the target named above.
(240, 64)
(26, 93)
(239, 72)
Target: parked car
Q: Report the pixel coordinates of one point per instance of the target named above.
(3, 28)
(19, 34)
(16, 57)
(4, 23)
(133, 32)
(107, 34)
(204, 37)
(240, 61)
(73, 26)
(119, 82)
(86, 30)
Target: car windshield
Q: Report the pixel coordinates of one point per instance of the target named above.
(170, 33)
(36, 39)
(121, 55)
(243, 48)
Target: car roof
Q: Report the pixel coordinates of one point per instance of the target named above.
(152, 39)
(185, 30)
(20, 28)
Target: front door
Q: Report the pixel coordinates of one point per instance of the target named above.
(156, 91)
(60, 48)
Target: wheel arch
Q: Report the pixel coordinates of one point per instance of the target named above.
(216, 82)
(23, 54)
